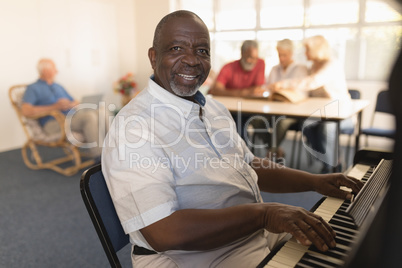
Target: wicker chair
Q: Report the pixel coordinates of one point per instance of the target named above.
(72, 159)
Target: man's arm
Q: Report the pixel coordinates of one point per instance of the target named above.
(219, 89)
(276, 178)
(30, 110)
(204, 229)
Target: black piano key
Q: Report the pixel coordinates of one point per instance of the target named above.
(336, 253)
(304, 265)
(343, 230)
(316, 261)
(344, 217)
(345, 236)
(344, 242)
(343, 224)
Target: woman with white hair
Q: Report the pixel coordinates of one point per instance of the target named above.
(326, 79)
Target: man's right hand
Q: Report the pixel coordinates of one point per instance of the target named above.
(308, 228)
(63, 104)
(259, 91)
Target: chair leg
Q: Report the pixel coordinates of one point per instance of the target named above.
(348, 151)
(72, 155)
(294, 149)
(299, 151)
(37, 160)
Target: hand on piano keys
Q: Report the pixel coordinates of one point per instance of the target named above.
(305, 226)
(338, 185)
(333, 211)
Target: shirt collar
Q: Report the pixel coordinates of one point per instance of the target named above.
(168, 98)
(44, 82)
(290, 66)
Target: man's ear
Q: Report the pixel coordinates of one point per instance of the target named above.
(152, 57)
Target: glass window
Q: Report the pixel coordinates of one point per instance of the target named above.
(236, 15)
(203, 8)
(327, 12)
(363, 47)
(377, 11)
(283, 13)
(379, 48)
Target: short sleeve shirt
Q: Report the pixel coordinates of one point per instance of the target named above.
(41, 93)
(293, 71)
(233, 76)
(162, 154)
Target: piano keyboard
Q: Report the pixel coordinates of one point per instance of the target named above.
(333, 211)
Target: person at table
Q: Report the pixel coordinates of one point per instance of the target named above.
(243, 78)
(326, 79)
(286, 69)
(45, 95)
(184, 185)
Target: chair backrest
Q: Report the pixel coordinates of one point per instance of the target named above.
(354, 94)
(100, 207)
(31, 127)
(383, 104)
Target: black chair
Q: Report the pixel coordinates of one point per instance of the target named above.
(100, 207)
(382, 106)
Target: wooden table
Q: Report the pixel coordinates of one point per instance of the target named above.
(312, 108)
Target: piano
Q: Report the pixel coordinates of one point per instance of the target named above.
(350, 220)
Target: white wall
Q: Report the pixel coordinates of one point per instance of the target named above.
(93, 43)
(148, 14)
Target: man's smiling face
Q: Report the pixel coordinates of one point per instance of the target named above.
(181, 60)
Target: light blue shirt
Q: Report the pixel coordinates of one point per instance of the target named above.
(293, 71)
(161, 155)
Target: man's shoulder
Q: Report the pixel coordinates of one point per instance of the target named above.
(260, 64)
(34, 85)
(231, 65)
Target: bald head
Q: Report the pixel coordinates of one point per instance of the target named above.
(168, 18)
(47, 70)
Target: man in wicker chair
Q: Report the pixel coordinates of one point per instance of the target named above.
(45, 95)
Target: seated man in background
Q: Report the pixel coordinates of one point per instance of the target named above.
(184, 185)
(243, 78)
(286, 69)
(45, 96)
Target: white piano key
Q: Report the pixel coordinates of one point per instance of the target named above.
(358, 171)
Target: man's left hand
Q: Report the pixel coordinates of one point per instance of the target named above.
(329, 184)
